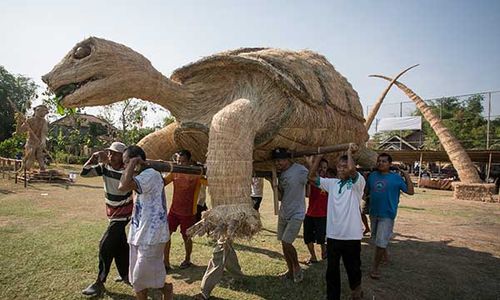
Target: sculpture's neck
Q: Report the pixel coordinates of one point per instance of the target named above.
(165, 92)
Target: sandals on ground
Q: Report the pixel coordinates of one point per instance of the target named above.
(185, 265)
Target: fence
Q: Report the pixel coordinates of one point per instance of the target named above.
(9, 167)
(490, 102)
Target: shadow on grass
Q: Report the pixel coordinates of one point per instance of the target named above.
(269, 253)
(85, 186)
(417, 270)
(114, 296)
(433, 270)
(6, 192)
(411, 237)
(188, 275)
(273, 232)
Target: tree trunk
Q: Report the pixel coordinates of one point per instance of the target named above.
(458, 157)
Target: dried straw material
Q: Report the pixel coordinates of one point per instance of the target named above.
(160, 143)
(458, 157)
(378, 103)
(231, 108)
(470, 186)
(474, 191)
(228, 221)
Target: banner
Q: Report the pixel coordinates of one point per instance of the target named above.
(401, 123)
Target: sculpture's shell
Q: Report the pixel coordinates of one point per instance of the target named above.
(305, 75)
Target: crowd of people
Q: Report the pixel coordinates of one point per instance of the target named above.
(335, 218)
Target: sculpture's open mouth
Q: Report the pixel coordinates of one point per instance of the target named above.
(69, 89)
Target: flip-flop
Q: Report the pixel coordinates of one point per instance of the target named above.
(200, 296)
(185, 265)
(285, 275)
(375, 275)
(298, 277)
(310, 262)
(168, 269)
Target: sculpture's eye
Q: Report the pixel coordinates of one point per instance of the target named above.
(81, 52)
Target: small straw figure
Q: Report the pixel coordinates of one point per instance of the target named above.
(37, 128)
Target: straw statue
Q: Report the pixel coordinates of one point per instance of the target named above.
(37, 129)
(470, 186)
(231, 110)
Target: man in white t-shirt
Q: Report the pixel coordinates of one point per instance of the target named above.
(344, 229)
(148, 228)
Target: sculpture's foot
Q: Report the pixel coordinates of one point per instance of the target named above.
(228, 221)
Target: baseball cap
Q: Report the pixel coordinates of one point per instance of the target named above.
(280, 153)
(117, 147)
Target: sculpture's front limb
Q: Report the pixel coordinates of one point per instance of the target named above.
(229, 173)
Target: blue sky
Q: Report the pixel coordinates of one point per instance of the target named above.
(456, 43)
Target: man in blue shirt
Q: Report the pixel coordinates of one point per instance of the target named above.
(384, 188)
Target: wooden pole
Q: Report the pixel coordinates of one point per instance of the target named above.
(15, 172)
(420, 169)
(167, 166)
(274, 185)
(321, 150)
(25, 179)
(489, 169)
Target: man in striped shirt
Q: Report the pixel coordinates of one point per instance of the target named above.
(113, 244)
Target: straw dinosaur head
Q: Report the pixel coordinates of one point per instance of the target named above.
(99, 72)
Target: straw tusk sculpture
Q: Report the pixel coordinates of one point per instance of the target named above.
(231, 110)
(470, 186)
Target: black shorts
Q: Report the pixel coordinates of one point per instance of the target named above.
(314, 230)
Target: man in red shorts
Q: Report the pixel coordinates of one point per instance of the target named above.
(315, 220)
(183, 209)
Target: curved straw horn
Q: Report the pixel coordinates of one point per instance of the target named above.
(458, 157)
(376, 107)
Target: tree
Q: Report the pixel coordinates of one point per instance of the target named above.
(17, 91)
(168, 120)
(54, 105)
(131, 114)
(463, 119)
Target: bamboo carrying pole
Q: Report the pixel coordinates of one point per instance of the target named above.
(318, 150)
(167, 166)
(321, 150)
(489, 168)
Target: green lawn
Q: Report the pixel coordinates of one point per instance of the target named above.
(50, 233)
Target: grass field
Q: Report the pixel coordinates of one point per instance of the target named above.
(442, 249)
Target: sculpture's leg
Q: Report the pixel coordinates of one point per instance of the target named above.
(160, 144)
(40, 158)
(229, 173)
(28, 158)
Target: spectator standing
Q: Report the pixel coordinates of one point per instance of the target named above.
(384, 188)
